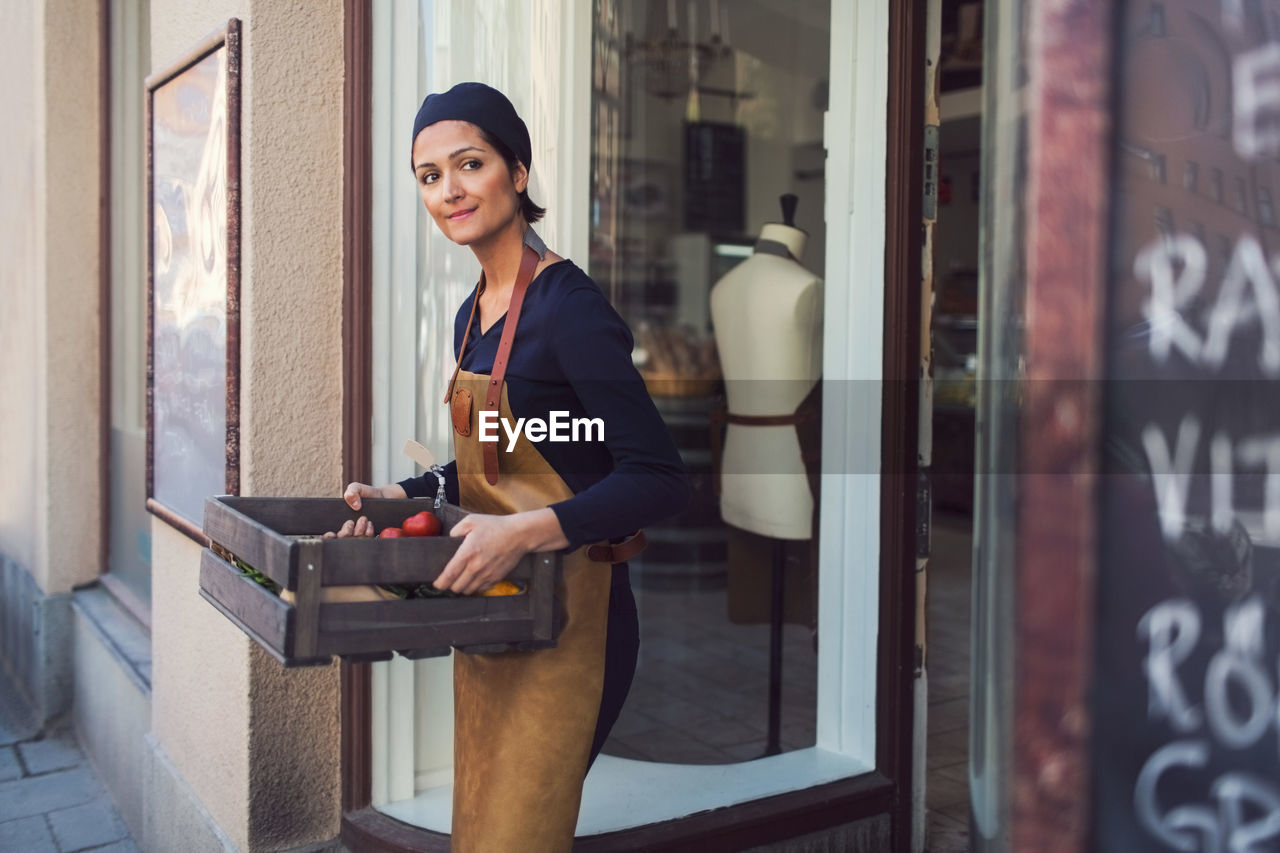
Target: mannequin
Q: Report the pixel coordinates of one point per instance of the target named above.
(767, 313)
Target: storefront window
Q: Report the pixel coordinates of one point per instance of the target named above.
(129, 553)
(705, 114)
(661, 176)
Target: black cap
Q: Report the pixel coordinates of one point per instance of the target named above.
(483, 106)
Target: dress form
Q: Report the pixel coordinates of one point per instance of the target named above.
(767, 313)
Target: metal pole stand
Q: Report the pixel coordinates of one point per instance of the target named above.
(773, 744)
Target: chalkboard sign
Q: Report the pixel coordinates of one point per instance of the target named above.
(1186, 729)
(193, 270)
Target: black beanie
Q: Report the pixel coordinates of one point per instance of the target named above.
(483, 106)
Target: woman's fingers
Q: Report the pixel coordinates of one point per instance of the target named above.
(451, 570)
(355, 492)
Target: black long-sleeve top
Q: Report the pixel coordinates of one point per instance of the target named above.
(572, 352)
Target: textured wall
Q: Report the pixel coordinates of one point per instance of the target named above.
(49, 516)
(292, 403)
(242, 734)
(68, 223)
(18, 340)
(200, 709)
(292, 408)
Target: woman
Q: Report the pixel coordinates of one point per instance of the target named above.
(536, 336)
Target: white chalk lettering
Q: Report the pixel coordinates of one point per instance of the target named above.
(1172, 828)
(1168, 296)
(1172, 477)
(1244, 627)
(1230, 310)
(1233, 791)
(1233, 730)
(1227, 827)
(1175, 266)
(1241, 810)
(1221, 499)
(1171, 629)
(559, 427)
(1265, 451)
(1255, 80)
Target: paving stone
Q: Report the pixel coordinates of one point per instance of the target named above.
(90, 825)
(9, 767)
(123, 846)
(55, 752)
(58, 790)
(28, 834)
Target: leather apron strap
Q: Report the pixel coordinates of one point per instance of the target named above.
(528, 263)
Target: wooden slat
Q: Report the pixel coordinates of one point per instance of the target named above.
(462, 632)
(542, 596)
(257, 544)
(363, 615)
(258, 612)
(306, 619)
(317, 516)
(397, 561)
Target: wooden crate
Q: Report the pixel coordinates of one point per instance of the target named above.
(281, 538)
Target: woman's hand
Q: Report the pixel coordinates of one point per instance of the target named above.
(355, 491)
(353, 495)
(492, 546)
(360, 527)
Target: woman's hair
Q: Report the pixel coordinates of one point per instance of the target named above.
(531, 211)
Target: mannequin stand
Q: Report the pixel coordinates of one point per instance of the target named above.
(773, 744)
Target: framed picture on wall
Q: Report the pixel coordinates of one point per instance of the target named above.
(193, 281)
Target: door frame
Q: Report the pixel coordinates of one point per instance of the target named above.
(887, 790)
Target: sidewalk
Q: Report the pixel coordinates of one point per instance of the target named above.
(50, 799)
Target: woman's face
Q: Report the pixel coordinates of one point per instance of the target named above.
(465, 184)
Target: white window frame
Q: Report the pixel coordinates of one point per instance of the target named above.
(623, 793)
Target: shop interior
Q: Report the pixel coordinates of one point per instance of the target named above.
(706, 114)
(954, 336)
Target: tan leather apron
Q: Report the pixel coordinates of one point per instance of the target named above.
(523, 720)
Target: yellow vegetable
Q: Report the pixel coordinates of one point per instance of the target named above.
(503, 588)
